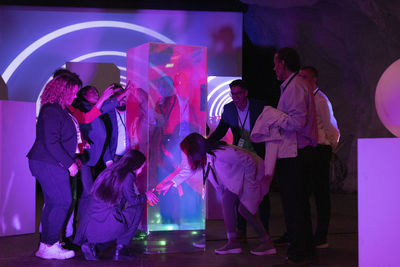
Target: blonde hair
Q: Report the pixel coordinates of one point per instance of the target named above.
(60, 89)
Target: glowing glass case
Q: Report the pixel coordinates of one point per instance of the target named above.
(169, 102)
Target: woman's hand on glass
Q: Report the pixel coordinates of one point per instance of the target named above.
(152, 198)
(164, 186)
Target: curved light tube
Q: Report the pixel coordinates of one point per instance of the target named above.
(72, 28)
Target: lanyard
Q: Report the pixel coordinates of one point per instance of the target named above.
(284, 88)
(205, 174)
(316, 91)
(245, 118)
(122, 121)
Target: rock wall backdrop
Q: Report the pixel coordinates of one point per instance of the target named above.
(350, 42)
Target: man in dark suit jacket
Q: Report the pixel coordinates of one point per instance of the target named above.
(115, 121)
(240, 116)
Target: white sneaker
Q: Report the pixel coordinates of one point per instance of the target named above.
(42, 247)
(56, 251)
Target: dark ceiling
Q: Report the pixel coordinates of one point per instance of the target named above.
(204, 5)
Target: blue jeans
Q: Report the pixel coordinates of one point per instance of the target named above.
(56, 189)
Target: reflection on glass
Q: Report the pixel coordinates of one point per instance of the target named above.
(169, 105)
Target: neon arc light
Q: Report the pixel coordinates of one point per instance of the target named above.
(75, 27)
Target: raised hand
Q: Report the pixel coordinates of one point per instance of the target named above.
(106, 95)
(108, 92)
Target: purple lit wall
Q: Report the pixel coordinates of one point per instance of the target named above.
(17, 186)
(37, 40)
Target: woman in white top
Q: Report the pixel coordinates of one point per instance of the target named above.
(236, 174)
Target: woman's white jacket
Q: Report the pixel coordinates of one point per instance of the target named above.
(236, 169)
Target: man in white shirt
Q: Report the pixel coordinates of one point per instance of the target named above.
(328, 137)
(294, 164)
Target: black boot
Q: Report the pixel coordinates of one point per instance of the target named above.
(89, 251)
(122, 253)
(67, 243)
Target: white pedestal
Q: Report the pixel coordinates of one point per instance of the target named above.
(379, 201)
(17, 186)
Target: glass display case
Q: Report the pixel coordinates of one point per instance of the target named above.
(169, 102)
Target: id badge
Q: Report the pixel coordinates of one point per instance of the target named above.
(241, 142)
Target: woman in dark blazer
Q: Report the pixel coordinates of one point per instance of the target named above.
(52, 160)
(114, 207)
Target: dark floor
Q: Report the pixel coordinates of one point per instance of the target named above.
(343, 242)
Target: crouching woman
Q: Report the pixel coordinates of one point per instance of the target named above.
(114, 209)
(237, 175)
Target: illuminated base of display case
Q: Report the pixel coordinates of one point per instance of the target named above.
(168, 241)
(173, 227)
(173, 241)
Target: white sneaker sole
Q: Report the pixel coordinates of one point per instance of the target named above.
(229, 251)
(271, 251)
(65, 256)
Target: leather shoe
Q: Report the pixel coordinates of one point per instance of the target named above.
(123, 253)
(68, 244)
(282, 240)
(89, 251)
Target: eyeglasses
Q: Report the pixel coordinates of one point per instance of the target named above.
(236, 94)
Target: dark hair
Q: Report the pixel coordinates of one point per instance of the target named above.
(80, 97)
(290, 57)
(242, 84)
(61, 71)
(312, 70)
(196, 148)
(117, 86)
(109, 185)
(118, 89)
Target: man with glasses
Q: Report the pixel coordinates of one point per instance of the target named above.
(240, 116)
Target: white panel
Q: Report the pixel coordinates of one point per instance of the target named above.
(17, 186)
(379, 201)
